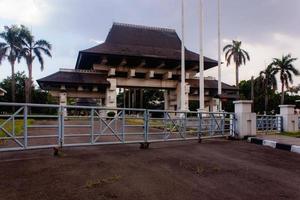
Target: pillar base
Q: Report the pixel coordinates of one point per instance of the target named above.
(144, 145)
(245, 119)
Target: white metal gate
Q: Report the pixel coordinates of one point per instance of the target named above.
(32, 126)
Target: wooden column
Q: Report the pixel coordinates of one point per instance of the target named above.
(134, 98)
(129, 98)
(141, 98)
(124, 97)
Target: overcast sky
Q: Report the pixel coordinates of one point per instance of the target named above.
(267, 28)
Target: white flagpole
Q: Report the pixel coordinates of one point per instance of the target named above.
(219, 55)
(201, 61)
(182, 84)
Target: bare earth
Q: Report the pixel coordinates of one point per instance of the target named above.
(216, 169)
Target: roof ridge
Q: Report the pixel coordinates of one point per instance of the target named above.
(144, 27)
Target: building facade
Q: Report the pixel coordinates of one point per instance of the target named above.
(134, 58)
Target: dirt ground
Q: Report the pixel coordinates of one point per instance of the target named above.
(218, 169)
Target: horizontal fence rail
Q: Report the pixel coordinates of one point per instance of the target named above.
(269, 123)
(32, 126)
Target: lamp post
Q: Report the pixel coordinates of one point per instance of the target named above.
(219, 56)
(182, 83)
(201, 60)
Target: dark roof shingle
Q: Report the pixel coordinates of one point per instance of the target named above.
(209, 84)
(143, 41)
(63, 77)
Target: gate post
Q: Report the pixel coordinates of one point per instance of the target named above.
(289, 118)
(245, 119)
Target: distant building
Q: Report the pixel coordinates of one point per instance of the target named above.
(2, 92)
(134, 58)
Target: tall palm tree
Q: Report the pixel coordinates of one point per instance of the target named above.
(268, 82)
(9, 49)
(239, 56)
(286, 69)
(30, 50)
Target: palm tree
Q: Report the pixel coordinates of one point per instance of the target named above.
(239, 56)
(268, 82)
(10, 49)
(286, 69)
(30, 50)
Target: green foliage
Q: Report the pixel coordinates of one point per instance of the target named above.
(152, 99)
(291, 134)
(285, 68)
(39, 96)
(19, 127)
(111, 114)
(259, 97)
(235, 52)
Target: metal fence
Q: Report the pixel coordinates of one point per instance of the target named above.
(269, 123)
(32, 126)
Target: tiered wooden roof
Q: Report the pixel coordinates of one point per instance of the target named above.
(135, 42)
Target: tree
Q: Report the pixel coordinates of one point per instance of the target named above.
(286, 69)
(238, 55)
(31, 49)
(38, 96)
(268, 82)
(10, 49)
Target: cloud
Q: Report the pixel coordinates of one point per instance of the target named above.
(32, 12)
(96, 41)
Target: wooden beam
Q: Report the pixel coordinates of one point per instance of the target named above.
(123, 62)
(150, 74)
(150, 83)
(131, 73)
(187, 75)
(80, 88)
(163, 64)
(178, 67)
(77, 94)
(112, 71)
(142, 64)
(167, 75)
(196, 67)
(103, 60)
(63, 87)
(95, 89)
(144, 70)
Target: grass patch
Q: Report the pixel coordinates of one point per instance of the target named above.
(19, 126)
(140, 122)
(290, 134)
(102, 181)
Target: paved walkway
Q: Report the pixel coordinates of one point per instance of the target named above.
(281, 139)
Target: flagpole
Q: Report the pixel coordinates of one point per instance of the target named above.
(182, 83)
(201, 61)
(219, 56)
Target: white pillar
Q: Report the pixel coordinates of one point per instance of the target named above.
(219, 49)
(182, 83)
(219, 57)
(186, 96)
(63, 101)
(289, 118)
(166, 100)
(201, 61)
(111, 94)
(245, 119)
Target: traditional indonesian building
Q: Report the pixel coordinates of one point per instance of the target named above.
(134, 58)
